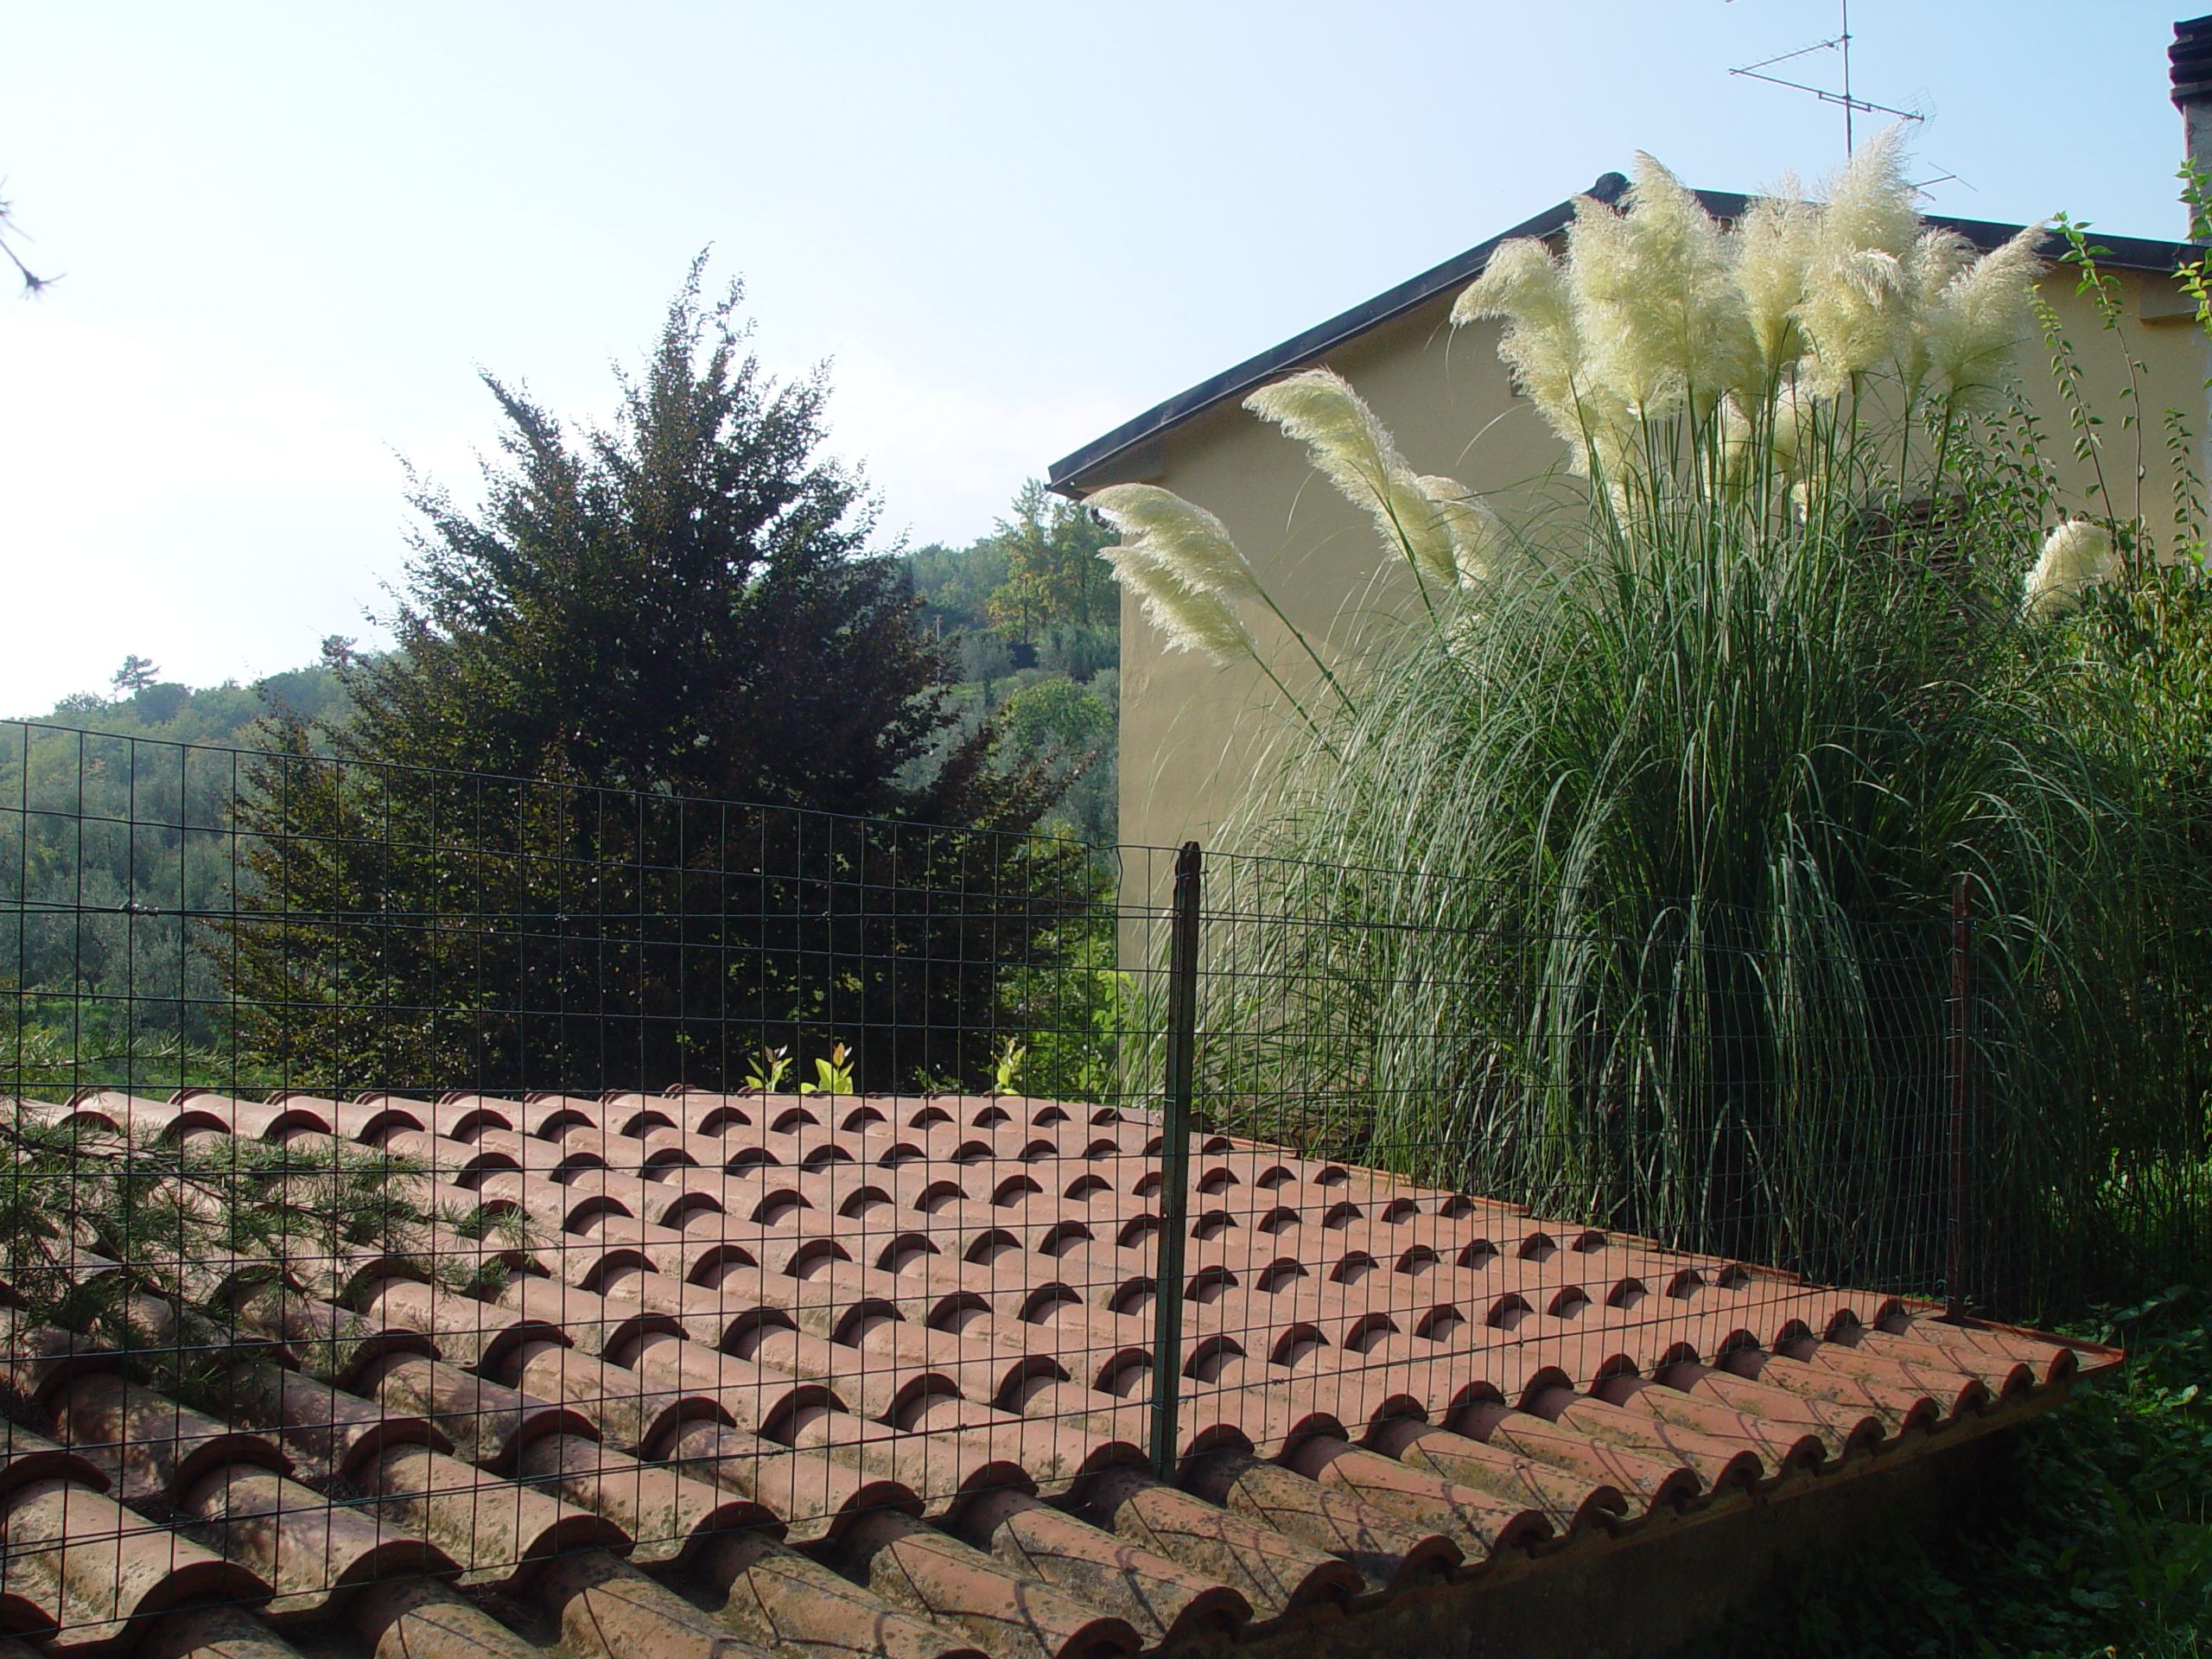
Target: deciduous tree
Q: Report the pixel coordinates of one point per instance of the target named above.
(1054, 575)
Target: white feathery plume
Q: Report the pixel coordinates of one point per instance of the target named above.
(1807, 494)
(1793, 424)
(2074, 556)
(1477, 537)
(1525, 284)
(1936, 258)
(1189, 542)
(1178, 559)
(1789, 415)
(1869, 203)
(1354, 451)
(1855, 304)
(1978, 323)
(1654, 295)
(1774, 244)
(1930, 266)
(1735, 444)
(1205, 623)
(1656, 305)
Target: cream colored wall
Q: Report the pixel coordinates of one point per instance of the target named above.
(1195, 739)
(2161, 332)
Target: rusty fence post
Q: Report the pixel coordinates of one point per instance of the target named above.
(1961, 1070)
(1175, 1163)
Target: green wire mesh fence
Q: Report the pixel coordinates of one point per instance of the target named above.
(426, 1177)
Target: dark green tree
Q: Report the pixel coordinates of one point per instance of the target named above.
(680, 602)
(136, 675)
(524, 864)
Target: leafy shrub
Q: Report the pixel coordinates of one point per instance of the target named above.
(2106, 1547)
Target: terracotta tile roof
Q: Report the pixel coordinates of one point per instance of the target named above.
(870, 1376)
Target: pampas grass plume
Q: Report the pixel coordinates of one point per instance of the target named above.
(1736, 439)
(1774, 243)
(1658, 305)
(1792, 425)
(1975, 325)
(1355, 452)
(1855, 305)
(1525, 284)
(1205, 623)
(2076, 554)
(1478, 538)
(1179, 559)
(1935, 260)
(1870, 205)
(1655, 297)
(1189, 542)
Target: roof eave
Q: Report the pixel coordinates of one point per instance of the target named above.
(1067, 474)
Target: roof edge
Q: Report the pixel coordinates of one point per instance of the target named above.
(1232, 382)
(1066, 475)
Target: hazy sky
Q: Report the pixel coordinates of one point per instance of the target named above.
(292, 233)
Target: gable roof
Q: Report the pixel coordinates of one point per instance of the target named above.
(1071, 473)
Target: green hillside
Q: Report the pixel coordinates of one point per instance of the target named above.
(1029, 620)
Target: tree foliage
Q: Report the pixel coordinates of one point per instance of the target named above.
(1072, 727)
(682, 601)
(1029, 616)
(1053, 573)
(526, 868)
(123, 833)
(136, 675)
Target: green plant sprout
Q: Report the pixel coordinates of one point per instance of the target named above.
(833, 1075)
(769, 1070)
(1006, 1065)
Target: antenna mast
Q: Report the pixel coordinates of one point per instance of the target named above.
(1843, 43)
(1852, 104)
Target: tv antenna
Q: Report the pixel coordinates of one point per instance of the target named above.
(1852, 104)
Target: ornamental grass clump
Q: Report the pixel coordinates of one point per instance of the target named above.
(1644, 843)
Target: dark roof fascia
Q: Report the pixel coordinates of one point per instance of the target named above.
(2114, 253)
(2119, 253)
(1316, 342)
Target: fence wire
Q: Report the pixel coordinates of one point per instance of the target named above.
(417, 1172)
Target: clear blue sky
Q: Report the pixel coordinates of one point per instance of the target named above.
(291, 233)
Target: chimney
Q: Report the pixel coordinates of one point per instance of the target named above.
(2190, 56)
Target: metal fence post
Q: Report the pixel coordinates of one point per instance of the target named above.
(1175, 1163)
(1961, 1086)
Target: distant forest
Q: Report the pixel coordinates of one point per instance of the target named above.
(140, 703)
(1029, 619)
